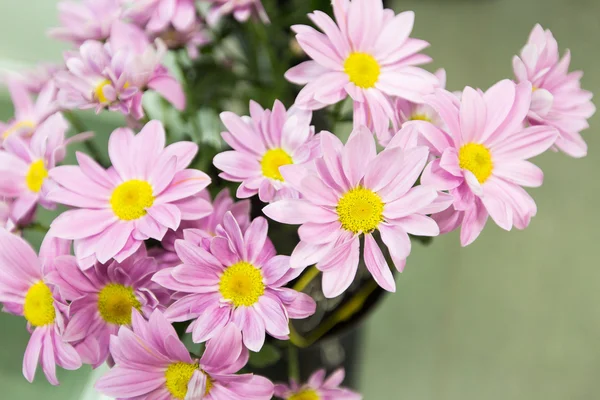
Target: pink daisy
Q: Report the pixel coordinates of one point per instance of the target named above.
(114, 75)
(86, 20)
(101, 300)
(28, 114)
(263, 143)
(241, 10)
(152, 363)
(158, 16)
(146, 191)
(25, 291)
(202, 230)
(354, 192)
(483, 157)
(368, 55)
(557, 100)
(35, 79)
(317, 388)
(239, 281)
(24, 166)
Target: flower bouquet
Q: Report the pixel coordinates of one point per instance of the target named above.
(232, 224)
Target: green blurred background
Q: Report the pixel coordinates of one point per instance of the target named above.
(516, 315)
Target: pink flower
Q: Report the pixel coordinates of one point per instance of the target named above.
(368, 55)
(35, 79)
(261, 145)
(557, 100)
(86, 20)
(28, 114)
(483, 157)
(24, 166)
(354, 192)
(147, 191)
(239, 281)
(405, 111)
(242, 10)
(101, 300)
(202, 230)
(115, 75)
(152, 363)
(25, 291)
(158, 16)
(317, 388)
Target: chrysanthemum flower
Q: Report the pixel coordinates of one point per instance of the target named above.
(144, 193)
(102, 298)
(152, 363)
(483, 157)
(355, 192)
(202, 230)
(557, 98)
(115, 74)
(261, 145)
(25, 291)
(35, 79)
(86, 20)
(28, 115)
(239, 281)
(317, 388)
(242, 10)
(367, 55)
(158, 16)
(24, 166)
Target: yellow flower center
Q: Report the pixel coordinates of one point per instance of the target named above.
(36, 175)
(99, 91)
(27, 124)
(39, 305)
(242, 284)
(362, 69)
(115, 303)
(130, 199)
(476, 158)
(307, 394)
(360, 210)
(272, 160)
(178, 377)
(420, 117)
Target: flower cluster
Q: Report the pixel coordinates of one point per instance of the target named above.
(144, 255)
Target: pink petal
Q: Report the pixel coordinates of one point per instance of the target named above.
(377, 265)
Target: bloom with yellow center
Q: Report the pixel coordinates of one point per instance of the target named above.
(306, 394)
(178, 376)
(39, 305)
(360, 210)
(99, 91)
(36, 175)
(130, 199)
(272, 160)
(242, 284)
(476, 158)
(115, 303)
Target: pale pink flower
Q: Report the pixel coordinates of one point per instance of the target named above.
(25, 291)
(241, 10)
(317, 388)
(557, 100)
(158, 16)
(147, 191)
(202, 230)
(86, 20)
(152, 363)
(354, 192)
(367, 55)
(263, 143)
(115, 74)
(29, 114)
(24, 166)
(102, 298)
(35, 79)
(483, 157)
(238, 281)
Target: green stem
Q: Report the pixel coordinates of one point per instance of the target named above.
(293, 363)
(38, 227)
(306, 278)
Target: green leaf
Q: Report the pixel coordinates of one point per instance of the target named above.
(267, 356)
